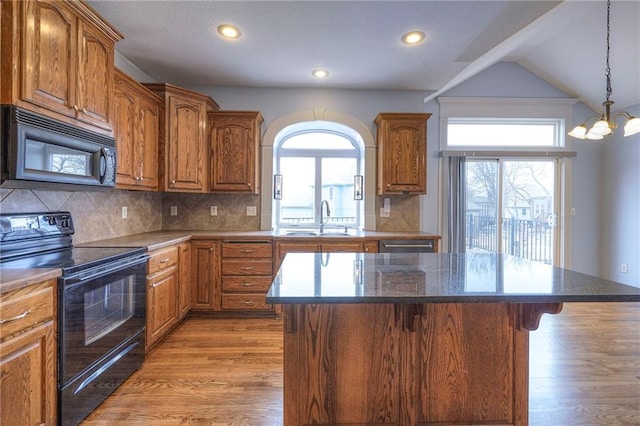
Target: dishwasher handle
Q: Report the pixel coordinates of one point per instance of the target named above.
(406, 246)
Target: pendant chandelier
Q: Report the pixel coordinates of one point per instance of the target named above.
(606, 124)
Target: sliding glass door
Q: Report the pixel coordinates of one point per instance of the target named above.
(511, 208)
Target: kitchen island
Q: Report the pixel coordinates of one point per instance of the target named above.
(417, 339)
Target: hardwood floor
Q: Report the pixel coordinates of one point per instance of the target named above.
(585, 370)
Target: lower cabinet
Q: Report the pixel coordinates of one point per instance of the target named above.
(28, 389)
(205, 289)
(247, 272)
(184, 279)
(162, 294)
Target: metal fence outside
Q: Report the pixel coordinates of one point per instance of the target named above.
(529, 239)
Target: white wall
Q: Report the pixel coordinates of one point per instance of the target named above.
(502, 80)
(620, 200)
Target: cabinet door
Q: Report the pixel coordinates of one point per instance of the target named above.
(186, 144)
(282, 248)
(28, 378)
(162, 304)
(149, 122)
(402, 147)
(343, 246)
(235, 139)
(205, 267)
(184, 279)
(94, 96)
(50, 52)
(124, 128)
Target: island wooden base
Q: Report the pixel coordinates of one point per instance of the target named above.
(408, 364)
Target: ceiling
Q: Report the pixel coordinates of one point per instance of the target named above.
(359, 43)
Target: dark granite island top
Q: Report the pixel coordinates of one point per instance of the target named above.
(417, 339)
(435, 278)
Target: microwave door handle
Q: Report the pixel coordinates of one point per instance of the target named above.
(103, 165)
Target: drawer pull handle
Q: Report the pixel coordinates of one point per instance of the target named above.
(16, 318)
(154, 285)
(246, 251)
(246, 284)
(429, 245)
(247, 302)
(165, 260)
(247, 268)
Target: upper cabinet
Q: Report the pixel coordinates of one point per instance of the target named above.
(59, 61)
(183, 148)
(402, 153)
(235, 151)
(136, 130)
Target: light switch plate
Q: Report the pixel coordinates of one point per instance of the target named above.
(214, 210)
(124, 212)
(174, 210)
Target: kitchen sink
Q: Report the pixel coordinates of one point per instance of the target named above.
(311, 233)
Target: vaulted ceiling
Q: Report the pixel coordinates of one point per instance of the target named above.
(359, 43)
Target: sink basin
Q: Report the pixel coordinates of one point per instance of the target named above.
(307, 233)
(310, 233)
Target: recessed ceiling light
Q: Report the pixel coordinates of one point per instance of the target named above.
(229, 31)
(413, 37)
(320, 73)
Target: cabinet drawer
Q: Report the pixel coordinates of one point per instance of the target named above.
(162, 259)
(244, 302)
(246, 267)
(25, 309)
(247, 250)
(239, 284)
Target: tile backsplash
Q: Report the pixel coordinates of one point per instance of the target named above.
(98, 214)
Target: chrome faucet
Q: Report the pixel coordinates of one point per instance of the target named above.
(322, 218)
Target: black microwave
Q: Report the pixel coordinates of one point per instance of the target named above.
(54, 154)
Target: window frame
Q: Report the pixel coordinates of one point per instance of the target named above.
(318, 155)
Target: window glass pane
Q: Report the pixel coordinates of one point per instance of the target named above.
(317, 140)
(481, 206)
(337, 189)
(298, 190)
(501, 134)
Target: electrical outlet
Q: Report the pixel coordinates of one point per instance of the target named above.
(624, 268)
(124, 212)
(174, 210)
(384, 212)
(573, 211)
(252, 210)
(214, 210)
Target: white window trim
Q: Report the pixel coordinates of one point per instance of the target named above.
(268, 141)
(554, 108)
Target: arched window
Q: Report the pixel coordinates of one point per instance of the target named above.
(318, 161)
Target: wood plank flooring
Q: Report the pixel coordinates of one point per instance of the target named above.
(585, 370)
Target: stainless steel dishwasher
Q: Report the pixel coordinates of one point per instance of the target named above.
(407, 246)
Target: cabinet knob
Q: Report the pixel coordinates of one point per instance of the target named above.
(75, 108)
(173, 182)
(210, 248)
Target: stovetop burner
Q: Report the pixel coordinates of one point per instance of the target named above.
(43, 240)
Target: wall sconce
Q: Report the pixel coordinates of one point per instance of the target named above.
(357, 187)
(277, 187)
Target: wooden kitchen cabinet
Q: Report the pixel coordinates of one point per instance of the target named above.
(184, 279)
(246, 275)
(58, 60)
(314, 246)
(234, 137)
(28, 388)
(162, 294)
(135, 128)
(402, 153)
(205, 267)
(182, 146)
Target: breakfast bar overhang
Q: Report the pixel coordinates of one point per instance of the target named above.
(417, 339)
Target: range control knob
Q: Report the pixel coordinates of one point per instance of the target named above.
(52, 220)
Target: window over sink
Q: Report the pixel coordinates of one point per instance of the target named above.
(318, 161)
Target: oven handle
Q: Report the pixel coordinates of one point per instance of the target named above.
(103, 270)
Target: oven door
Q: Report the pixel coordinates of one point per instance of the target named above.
(98, 310)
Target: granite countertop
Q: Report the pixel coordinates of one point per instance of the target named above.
(435, 278)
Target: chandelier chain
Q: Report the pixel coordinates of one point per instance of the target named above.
(608, 69)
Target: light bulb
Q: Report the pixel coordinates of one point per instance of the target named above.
(632, 127)
(601, 128)
(578, 132)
